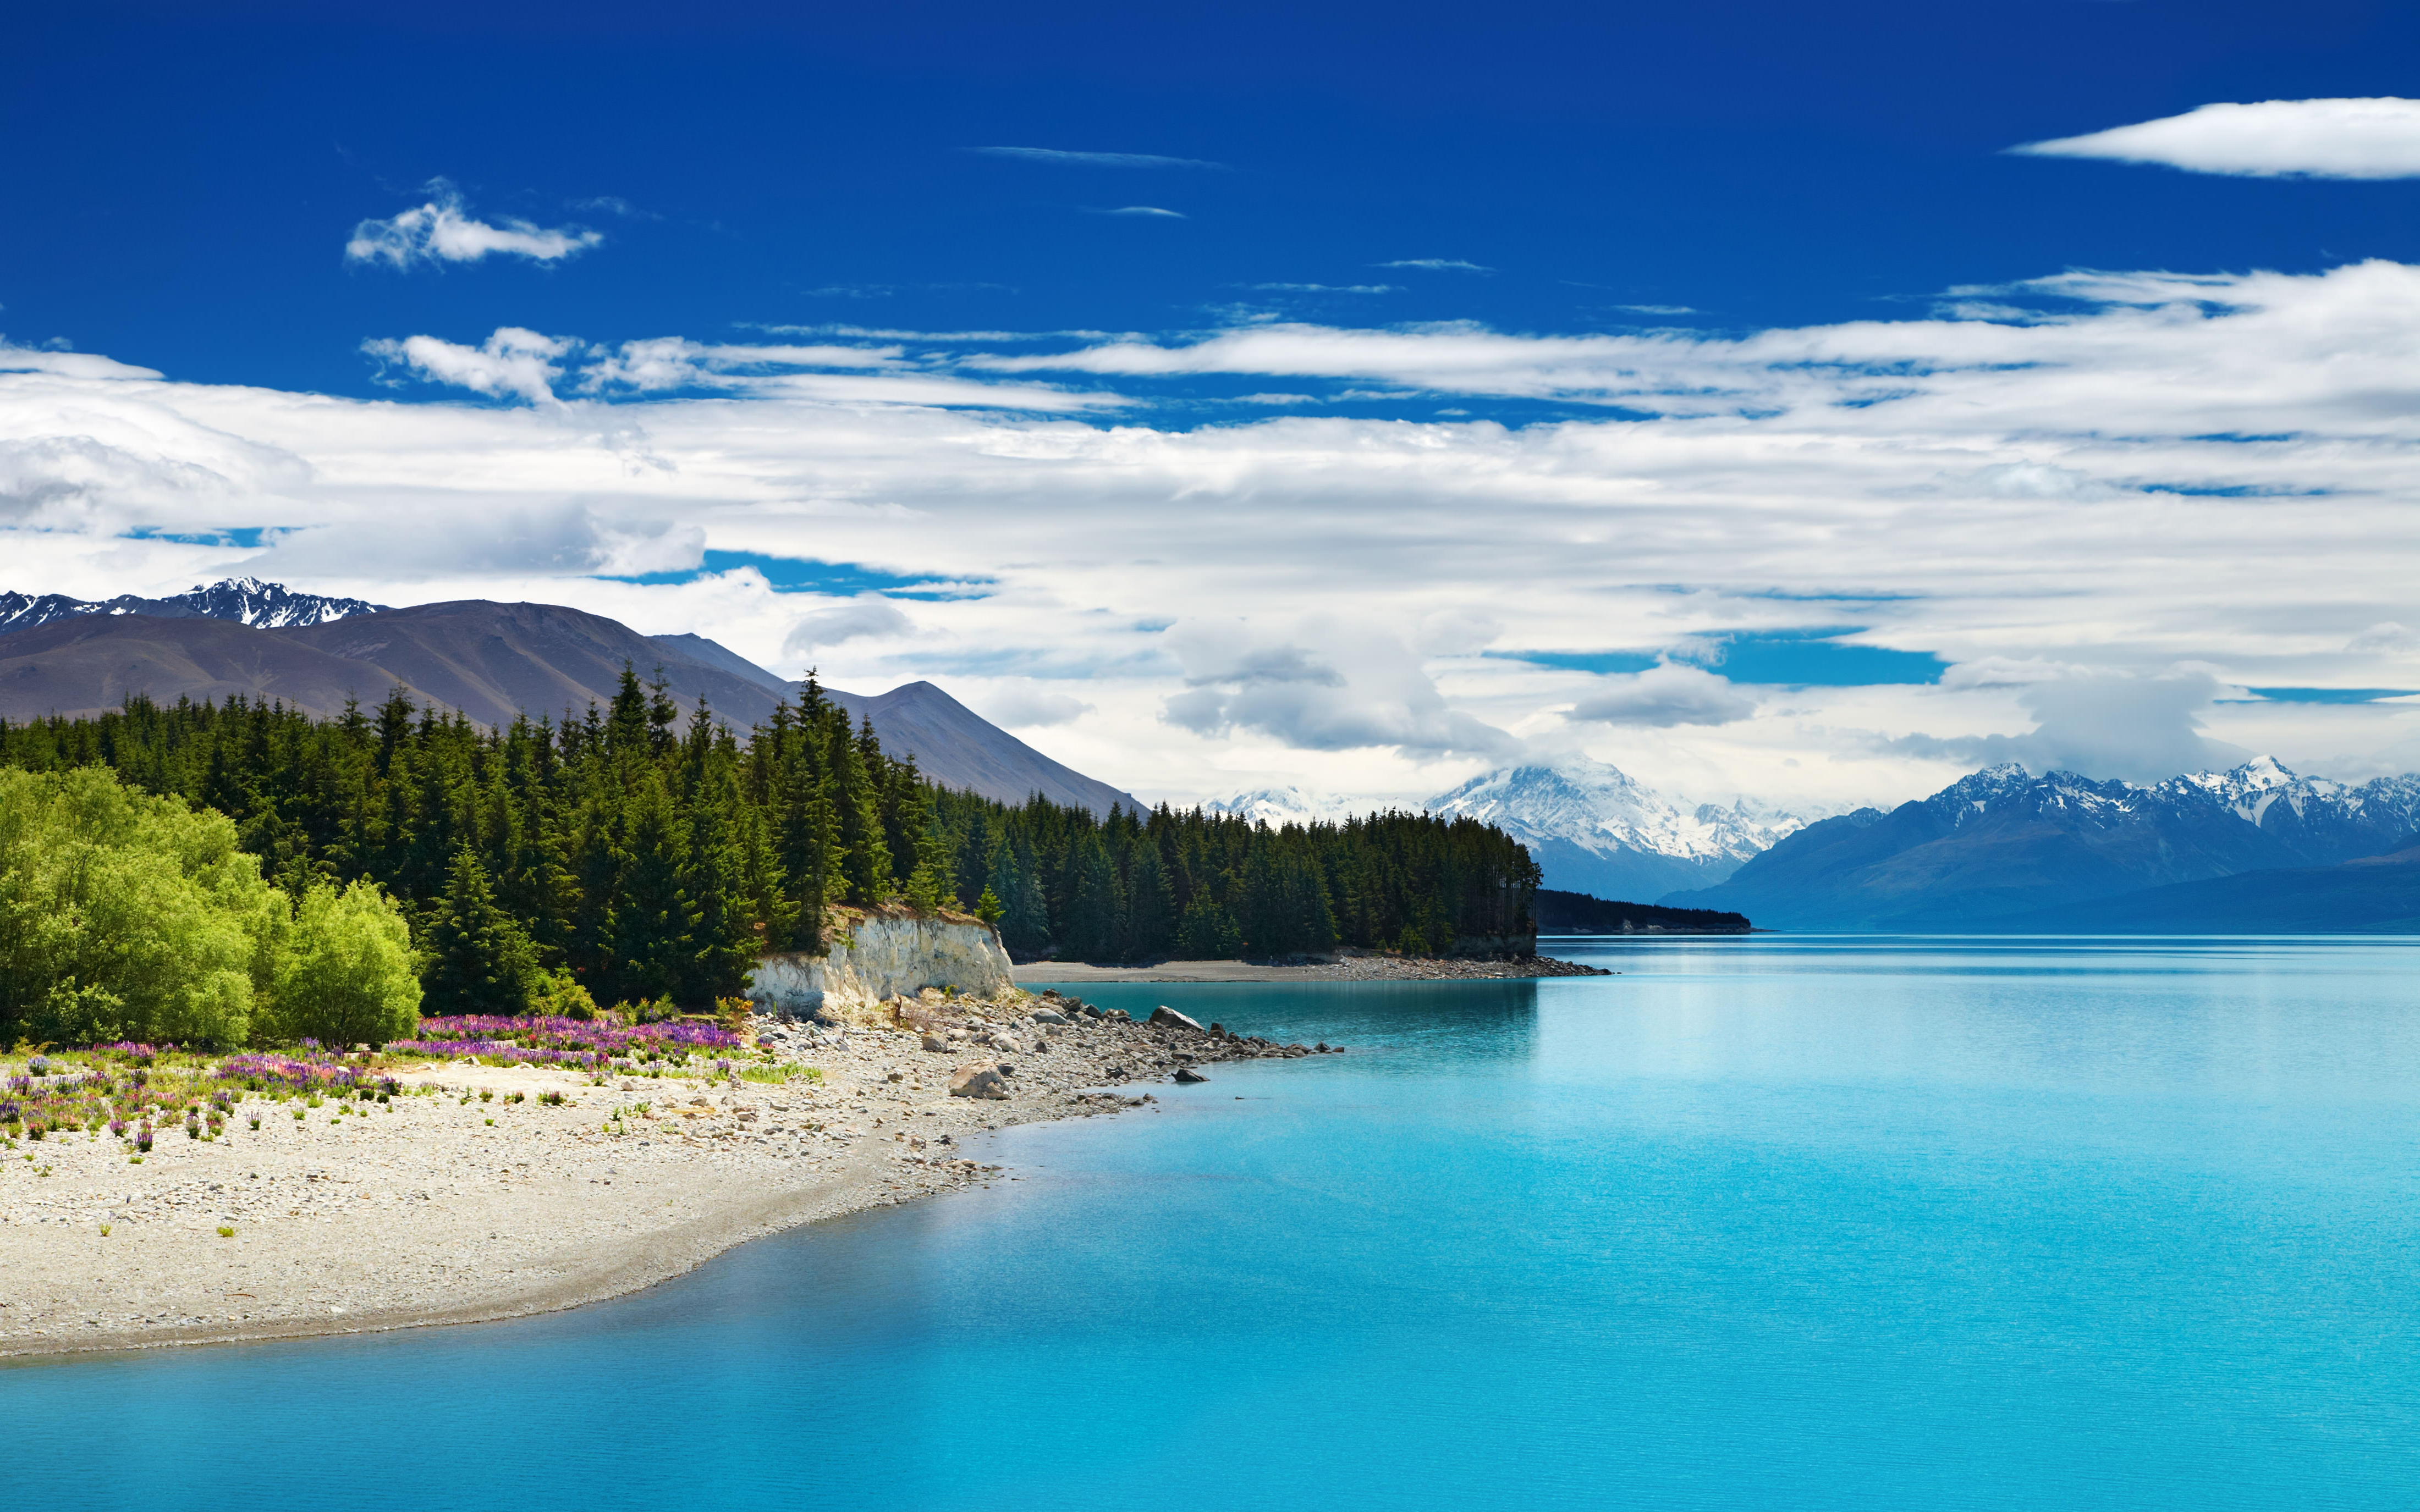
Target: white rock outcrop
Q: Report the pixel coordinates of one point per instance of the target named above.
(874, 958)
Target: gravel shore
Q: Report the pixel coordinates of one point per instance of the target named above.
(433, 1210)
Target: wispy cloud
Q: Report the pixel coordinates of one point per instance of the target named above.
(2095, 494)
(1661, 696)
(1097, 160)
(1657, 309)
(616, 205)
(442, 230)
(1437, 265)
(513, 363)
(1146, 209)
(2375, 138)
(1323, 288)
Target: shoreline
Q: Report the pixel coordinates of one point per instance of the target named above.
(1346, 965)
(434, 1210)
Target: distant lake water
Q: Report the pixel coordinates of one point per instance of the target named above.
(1759, 1224)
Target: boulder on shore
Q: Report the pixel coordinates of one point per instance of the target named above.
(935, 1042)
(1165, 1014)
(978, 1079)
(1186, 1073)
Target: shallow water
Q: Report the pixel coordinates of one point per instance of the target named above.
(1758, 1223)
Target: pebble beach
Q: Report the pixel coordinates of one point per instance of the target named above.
(468, 1198)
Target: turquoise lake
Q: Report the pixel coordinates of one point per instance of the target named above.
(1768, 1223)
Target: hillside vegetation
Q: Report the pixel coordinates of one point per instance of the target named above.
(638, 855)
(128, 916)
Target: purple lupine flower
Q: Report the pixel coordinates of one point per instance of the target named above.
(143, 1138)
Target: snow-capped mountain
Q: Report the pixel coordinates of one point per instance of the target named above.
(2001, 844)
(1594, 830)
(244, 600)
(1278, 807)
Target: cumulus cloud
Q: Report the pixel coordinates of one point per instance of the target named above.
(2105, 725)
(518, 363)
(2040, 480)
(442, 230)
(1325, 686)
(2152, 469)
(1028, 708)
(2386, 635)
(1664, 695)
(1097, 160)
(513, 363)
(866, 616)
(2375, 138)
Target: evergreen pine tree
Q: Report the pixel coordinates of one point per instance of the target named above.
(1150, 905)
(478, 960)
(1208, 932)
(656, 921)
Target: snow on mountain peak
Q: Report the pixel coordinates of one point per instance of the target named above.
(1600, 809)
(245, 600)
(1278, 807)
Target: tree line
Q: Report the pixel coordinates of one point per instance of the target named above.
(640, 851)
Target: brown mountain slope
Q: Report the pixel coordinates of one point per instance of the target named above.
(493, 661)
(90, 666)
(955, 745)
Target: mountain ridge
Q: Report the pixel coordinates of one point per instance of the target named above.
(2001, 842)
(1594, 830)
(243, 601)
(492, 661)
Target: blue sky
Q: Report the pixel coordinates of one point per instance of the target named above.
(182, 193)
(1454, 374)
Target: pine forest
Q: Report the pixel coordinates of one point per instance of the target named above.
(642, 852)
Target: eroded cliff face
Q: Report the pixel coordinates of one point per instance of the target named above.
(877, 957)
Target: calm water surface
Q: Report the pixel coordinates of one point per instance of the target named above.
(1758, 1223)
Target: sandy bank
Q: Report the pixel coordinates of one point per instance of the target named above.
(424, 1211)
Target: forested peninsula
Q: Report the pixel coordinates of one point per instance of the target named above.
(641, 853)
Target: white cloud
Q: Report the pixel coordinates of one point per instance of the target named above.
(513, 363)
(868, 615)
(1664, 695)
(2386, 635)
(1030, 708)
(2105, 725)
(1438, 265)
(518, 363)
(2164, 470)
(1097, 160)
(441, 229)
(1657, 309)
(2376, 138)
(1325, 685)
(1146, 209)
(1325, 289)
(46, 359)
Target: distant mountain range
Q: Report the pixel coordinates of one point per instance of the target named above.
(2005, 849)
(1593, 829)
(244, 600)
(1278, 807)
(492, 661)
(2371, 894)
(955, 745)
